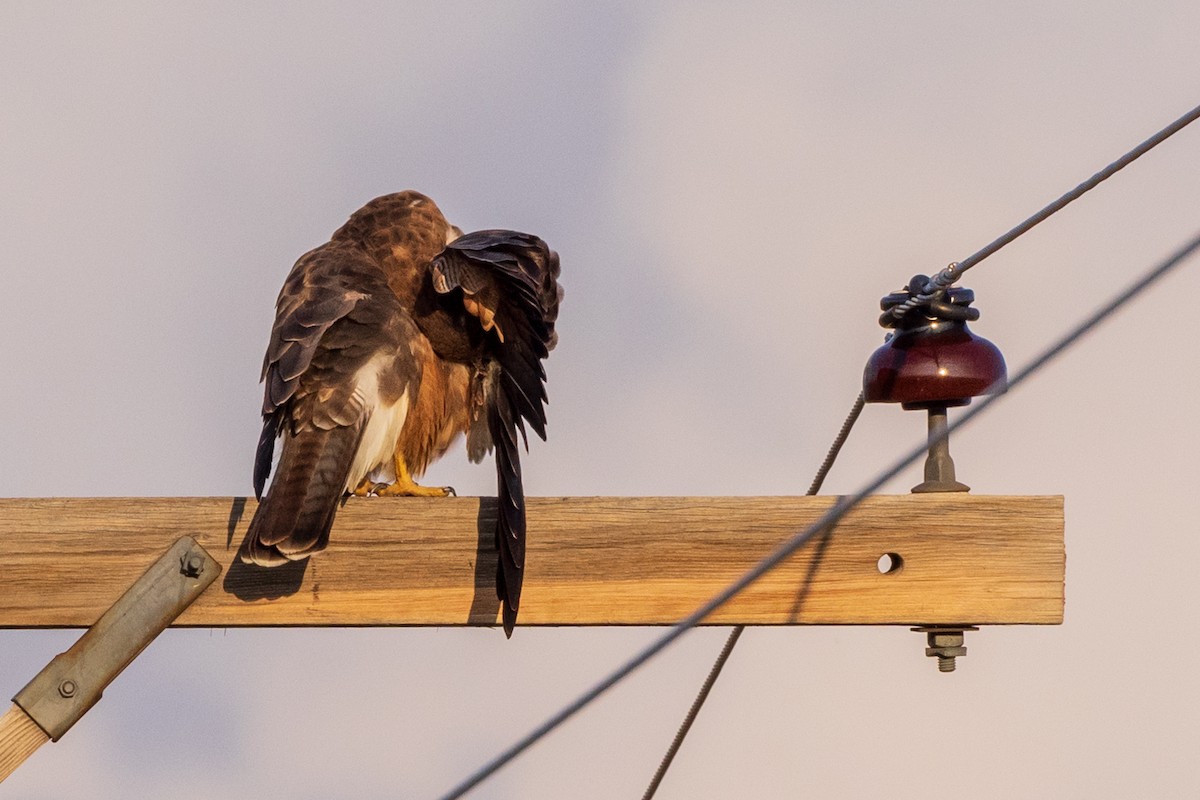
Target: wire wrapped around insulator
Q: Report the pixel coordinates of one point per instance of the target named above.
(923, 296)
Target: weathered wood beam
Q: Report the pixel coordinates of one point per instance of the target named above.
(20, 737)
(591, 561)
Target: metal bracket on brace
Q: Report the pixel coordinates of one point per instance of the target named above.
(73, 681)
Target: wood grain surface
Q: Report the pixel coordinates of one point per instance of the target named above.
(19, 737)
(591, 561)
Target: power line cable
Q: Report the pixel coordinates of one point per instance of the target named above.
(954, 271)
(834, 449)
(936, 286)
(736, 633)
(942, 281)
(824, 522)
(697, 704)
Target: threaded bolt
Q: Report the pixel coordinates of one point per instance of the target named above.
(945, 644)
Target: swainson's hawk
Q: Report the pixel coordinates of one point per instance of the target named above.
(390, 340)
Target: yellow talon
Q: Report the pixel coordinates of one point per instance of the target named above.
(398, 489)
(405, 486)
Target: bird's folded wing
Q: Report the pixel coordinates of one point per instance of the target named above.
(509, 282)
(331, 298)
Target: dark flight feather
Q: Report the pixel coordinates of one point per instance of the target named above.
(513, 278)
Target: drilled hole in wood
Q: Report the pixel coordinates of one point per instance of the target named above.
(889, 563)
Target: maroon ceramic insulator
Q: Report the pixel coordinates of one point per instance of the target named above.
(935, 364)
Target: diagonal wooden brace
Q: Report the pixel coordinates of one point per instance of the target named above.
(74, 681)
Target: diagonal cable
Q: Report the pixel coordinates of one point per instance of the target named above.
(829, 518)
(952, 273)
(715, 672)
(941, 281)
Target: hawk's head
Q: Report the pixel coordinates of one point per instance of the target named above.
(408, 219)
(403, 232)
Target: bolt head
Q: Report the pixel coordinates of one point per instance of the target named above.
(68, 688)
(192, 565)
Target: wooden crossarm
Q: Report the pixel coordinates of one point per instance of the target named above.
(591, 561)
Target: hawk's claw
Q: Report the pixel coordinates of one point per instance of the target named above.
(410, 489)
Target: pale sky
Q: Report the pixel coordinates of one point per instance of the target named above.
(732, 188)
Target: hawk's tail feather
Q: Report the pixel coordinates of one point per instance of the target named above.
(510, 514)
(294, 519)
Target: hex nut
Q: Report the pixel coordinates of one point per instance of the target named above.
(945, 651)
(945, 640)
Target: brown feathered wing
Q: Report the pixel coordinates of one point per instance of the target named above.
(334, 315)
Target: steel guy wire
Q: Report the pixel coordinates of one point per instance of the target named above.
(940, 282)
(839, 509)
(823, 471)
(697, 704)
(736, 633)
(944, 279)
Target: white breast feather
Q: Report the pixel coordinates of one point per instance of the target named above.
(383, 426)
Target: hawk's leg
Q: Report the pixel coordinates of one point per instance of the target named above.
(405, 486)
(365, 487)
